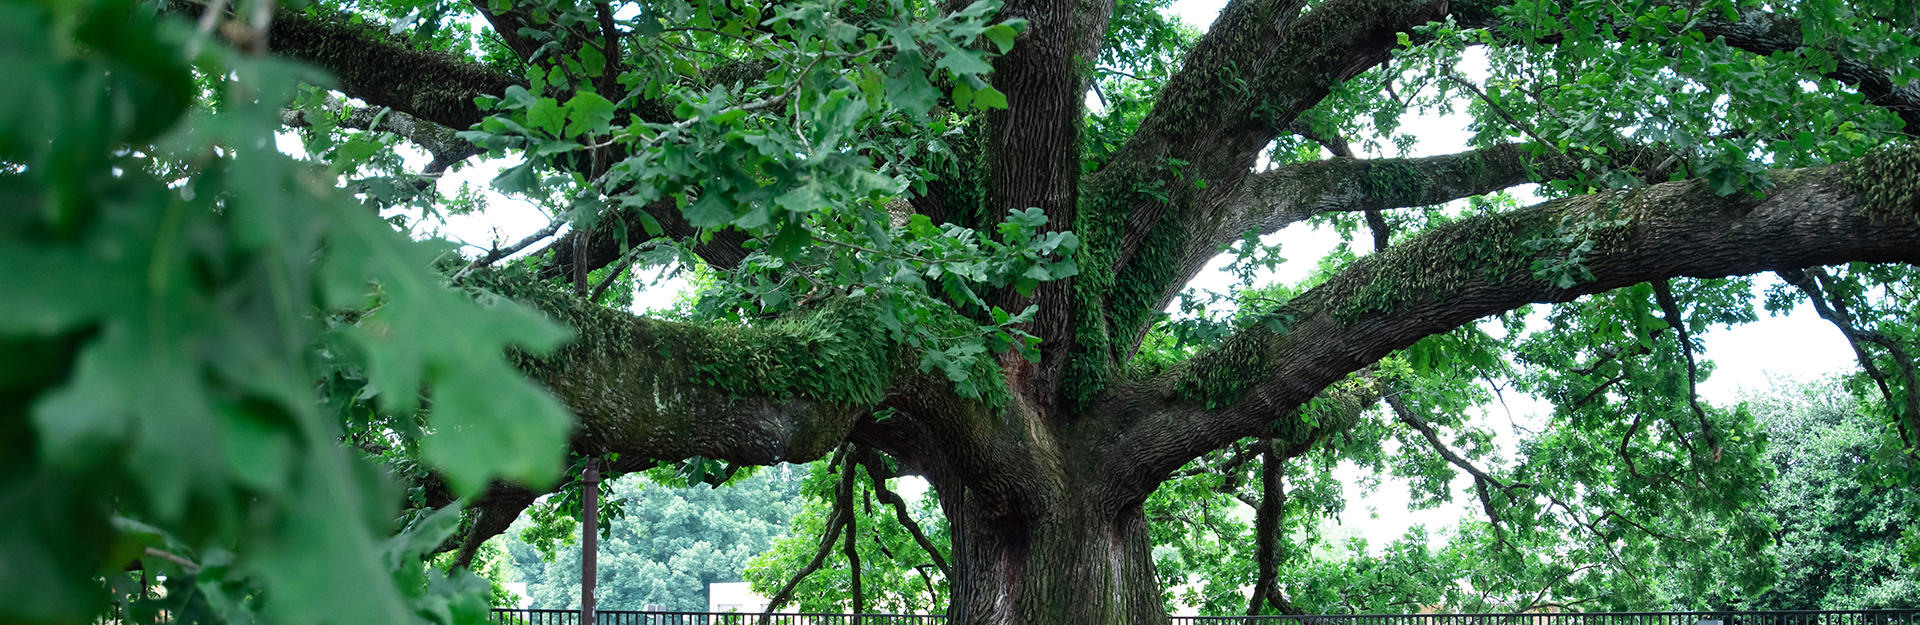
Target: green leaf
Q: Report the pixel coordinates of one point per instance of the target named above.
(989, 98)
(588, 113)
(961, 61)
(962, 94)
(545, 114)
(790, 241)
(907, 86)
(592, 61)
(709, 212)
(1002, 36)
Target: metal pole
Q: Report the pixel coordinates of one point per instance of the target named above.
(956, 604)
(589, 539)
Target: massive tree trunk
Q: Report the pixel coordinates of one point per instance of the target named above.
(1083, 559)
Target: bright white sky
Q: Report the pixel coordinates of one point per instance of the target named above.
(1748, 358)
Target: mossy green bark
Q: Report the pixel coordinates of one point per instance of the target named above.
(1888, 180)
(789, 389)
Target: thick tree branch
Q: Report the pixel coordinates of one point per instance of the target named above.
(1246, 81)
(493, 512)
(382, 70)
(1837, 314)
(1485, 265)
(836, 524)
(1268, 531)
(1274, 199)
(1269, 201)
(871, 461)
(650, 390)
(1032, 149)
(439, 141)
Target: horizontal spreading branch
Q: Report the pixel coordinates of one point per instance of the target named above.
(380, 69)
(1268, 201)
(439, 141)
(651, 390)
(1485, 265)
(1274, 199)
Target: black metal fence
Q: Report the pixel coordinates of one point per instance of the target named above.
(626, 617)
(505, 616)
(1843, 617)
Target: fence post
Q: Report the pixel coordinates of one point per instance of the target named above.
(590, 539)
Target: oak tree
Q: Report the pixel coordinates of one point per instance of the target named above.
(928, 245)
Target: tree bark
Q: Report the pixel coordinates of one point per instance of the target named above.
(1082, 563)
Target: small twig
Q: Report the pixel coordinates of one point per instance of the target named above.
(1837, 314)
(184, 563)
(499, 253)
(1598, 390)
(694, 29)
(1607, 543)
(688, 49)
(1481, 479)
(933, 597)
(1516, 123)
(1535, 601)
(785, 95)
(626, 260)
(208, 19)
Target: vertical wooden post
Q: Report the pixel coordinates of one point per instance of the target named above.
(589, 539)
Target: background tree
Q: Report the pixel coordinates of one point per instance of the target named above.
(1842, 501)
(666, 546)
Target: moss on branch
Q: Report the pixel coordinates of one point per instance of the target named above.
(1888, 180)
(788, 389)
